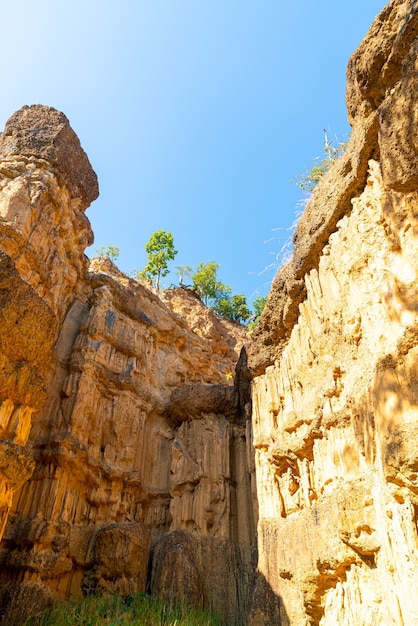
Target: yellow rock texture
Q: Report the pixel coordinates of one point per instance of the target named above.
(335, 425)
(335, 413)
(147, 444)
(119, 399)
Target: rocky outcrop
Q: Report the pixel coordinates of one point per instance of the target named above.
(43, 227)
(39, 270)
(334, 403)
(44, 133)
(136, 429)
(205, 572)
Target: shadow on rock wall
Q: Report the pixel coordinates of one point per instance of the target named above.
(266, 608)
(217, 574)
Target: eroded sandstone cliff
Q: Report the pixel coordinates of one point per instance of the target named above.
(335, 412)
(138, 438)
(129, 458)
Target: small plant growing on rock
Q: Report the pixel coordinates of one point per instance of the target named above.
(112, 252)
(331, 153)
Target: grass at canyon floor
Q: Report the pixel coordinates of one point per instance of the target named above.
(134, 610)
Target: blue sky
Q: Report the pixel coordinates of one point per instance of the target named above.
(195, 114)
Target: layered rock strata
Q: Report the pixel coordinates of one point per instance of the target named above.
(138, 438)
(43, 234)
(335, 411)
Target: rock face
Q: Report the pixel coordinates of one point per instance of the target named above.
(39, 270)
(45, 133)
(335, 412)
(151, 445)
(138, 437)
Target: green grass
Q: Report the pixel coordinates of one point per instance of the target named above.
(135, 610)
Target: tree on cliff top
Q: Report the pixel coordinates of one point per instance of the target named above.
(218, 296)
(160, 250)
(207, 284)
(234, 308)
(183, 272)
(258, 307)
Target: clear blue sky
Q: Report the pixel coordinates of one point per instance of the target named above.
(195, 114)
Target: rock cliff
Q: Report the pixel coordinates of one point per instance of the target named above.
(131, 459)
(117, 404)
(335, 410)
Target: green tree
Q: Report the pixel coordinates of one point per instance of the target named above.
(160, 250)
(258, 307)
(207, 284)
(183, 272)
(217, 295)
(234, 308)
(112, 252)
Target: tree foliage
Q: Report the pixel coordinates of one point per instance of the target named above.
(207, 284)
(258, 308)
(217, 295)
(160, 250)
(112, 252)
(234, 308)
(184, 272)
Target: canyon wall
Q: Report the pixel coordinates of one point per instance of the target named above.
(125, 441)
(146, 444)
(335, 362)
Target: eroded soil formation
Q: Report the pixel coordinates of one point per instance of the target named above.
(131, 459)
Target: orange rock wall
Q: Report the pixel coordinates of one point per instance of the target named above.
(91, 362)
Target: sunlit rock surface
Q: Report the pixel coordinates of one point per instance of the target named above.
(335, 415)
(122, 407)
(147, 444)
